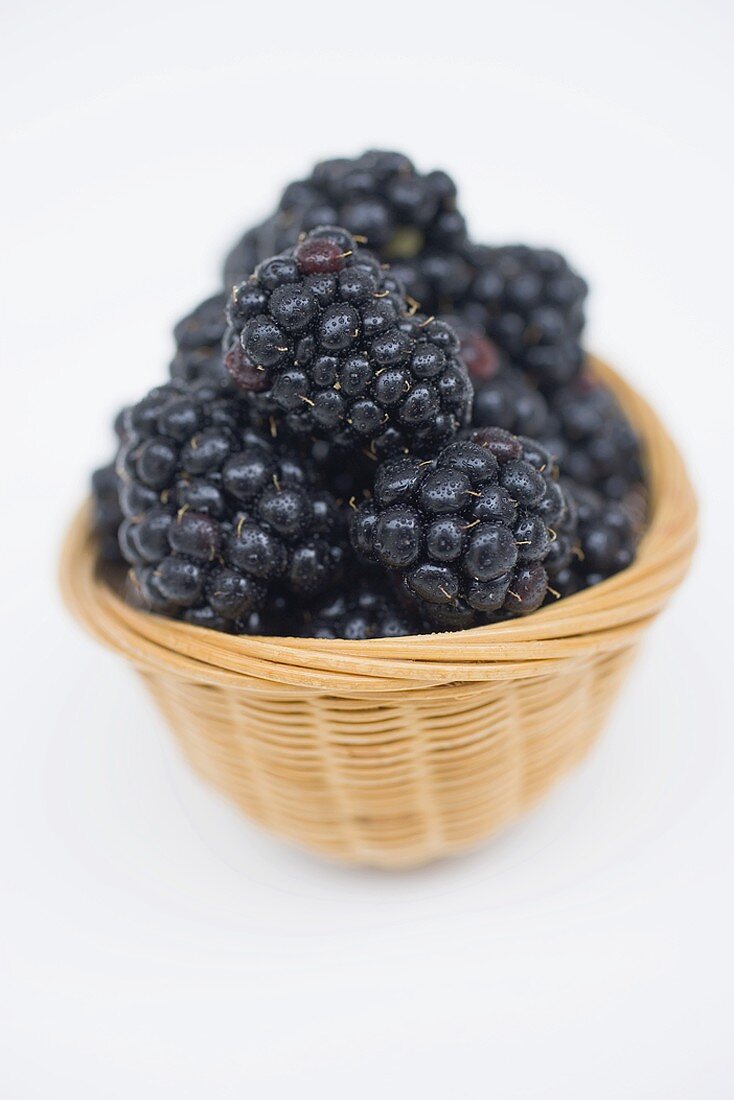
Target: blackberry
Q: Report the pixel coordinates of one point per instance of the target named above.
(564, 552)
(198, 338)
(435, 278)
(221, 520)
(379, 196)
(530, 303)
(370, 609)
(274, 619)
(509, 401)
(348, 474)
(503, 396)
(468, 530)
(581, 423)
(323, 339)
(106, 513)
(603, 542)
(244, 257)
(595, 442)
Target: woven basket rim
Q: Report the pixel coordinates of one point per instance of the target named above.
(601, 619)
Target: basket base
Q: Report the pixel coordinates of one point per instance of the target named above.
(365, 781)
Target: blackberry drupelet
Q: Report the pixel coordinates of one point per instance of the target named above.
(482, 359)
(469, 530)
(221, 520)
(198, 338)
(370, 609)
(530, 303)
(323, 339)
(605, 540)
(595, 442)
(379, 196)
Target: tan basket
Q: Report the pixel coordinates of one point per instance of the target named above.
(393, 752)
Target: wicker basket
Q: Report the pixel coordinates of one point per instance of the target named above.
(393, 752)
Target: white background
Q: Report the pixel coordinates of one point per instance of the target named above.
(153, 943)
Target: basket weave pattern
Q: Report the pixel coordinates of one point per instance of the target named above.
(393, 752)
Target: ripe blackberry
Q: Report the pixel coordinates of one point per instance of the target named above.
(370, 609)
(198, 338)
(503, 396)
(378, 195)
(565, 549)
(509, 401)
(106, 513)
(274, 619)
(438, 279)
(322, 337)
(348, 474)
(220, 519)
(604, 540)
(244, 257)
(468, 530)
(595, 442)
(581, 423)
(530, 303)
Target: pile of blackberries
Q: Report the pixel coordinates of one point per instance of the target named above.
(377, 428)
